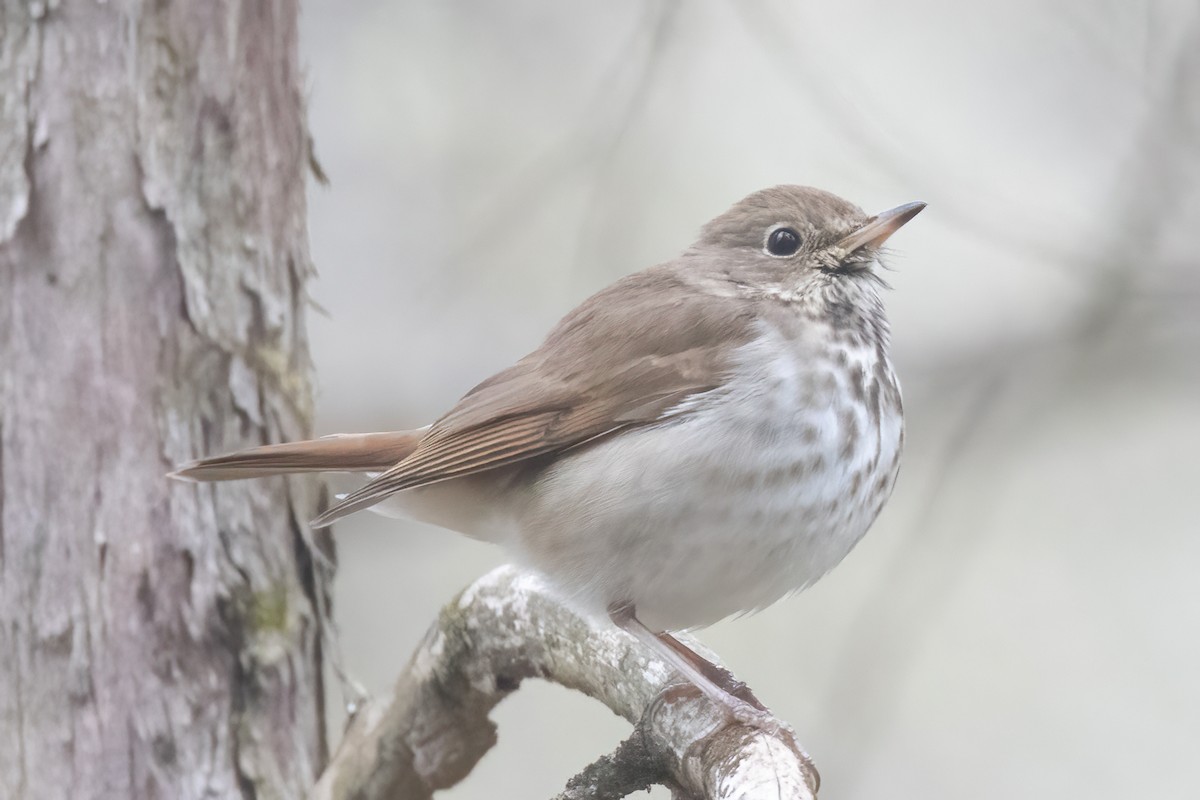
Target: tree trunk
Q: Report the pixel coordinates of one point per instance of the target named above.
(157, 639)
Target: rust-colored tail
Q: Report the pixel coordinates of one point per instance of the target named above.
(343, 452)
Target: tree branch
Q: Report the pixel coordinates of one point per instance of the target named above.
(504, 629)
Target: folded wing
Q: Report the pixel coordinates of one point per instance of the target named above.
(608, 366)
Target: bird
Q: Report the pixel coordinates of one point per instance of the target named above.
(693, 442)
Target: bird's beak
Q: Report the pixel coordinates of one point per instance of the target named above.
(878, 228)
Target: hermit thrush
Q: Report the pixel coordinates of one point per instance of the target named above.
(697, 440)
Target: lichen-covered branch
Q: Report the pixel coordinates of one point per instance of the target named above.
(504, 629)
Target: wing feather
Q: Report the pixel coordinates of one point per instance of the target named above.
(608, 366)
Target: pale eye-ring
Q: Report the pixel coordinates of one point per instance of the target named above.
(782, 242)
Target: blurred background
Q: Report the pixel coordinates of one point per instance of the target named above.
(1024, 619)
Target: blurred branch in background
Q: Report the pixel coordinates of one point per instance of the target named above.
(600, 165)
(593, 139)
(1151, 191)
(894, 151)
(503, 630)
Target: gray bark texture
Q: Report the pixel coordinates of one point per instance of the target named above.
(157, 639)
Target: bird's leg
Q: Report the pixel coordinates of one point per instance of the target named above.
(715, 683)
(722, 677)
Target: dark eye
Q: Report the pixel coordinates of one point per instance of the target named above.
(783, 242)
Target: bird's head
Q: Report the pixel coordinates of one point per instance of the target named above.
(797, 235)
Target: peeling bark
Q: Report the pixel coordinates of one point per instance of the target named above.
(156, 639)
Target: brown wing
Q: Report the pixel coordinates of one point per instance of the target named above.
(615, 362)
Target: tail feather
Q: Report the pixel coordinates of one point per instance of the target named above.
(349, 452)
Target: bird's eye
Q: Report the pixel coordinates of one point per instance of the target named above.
(783, 242)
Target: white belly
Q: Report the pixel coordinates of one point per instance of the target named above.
(756, 492)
